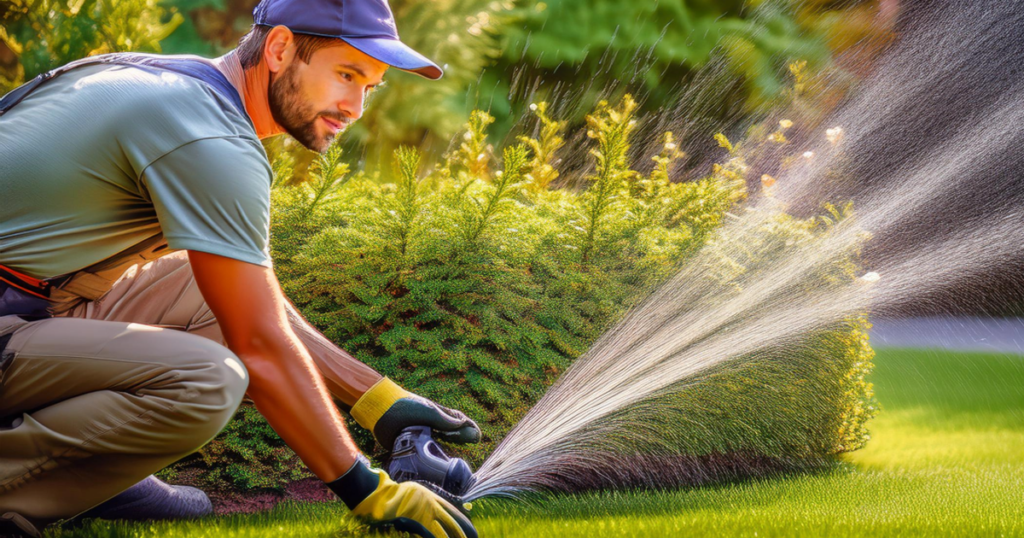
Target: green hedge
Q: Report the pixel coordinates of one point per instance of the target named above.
(478, 288)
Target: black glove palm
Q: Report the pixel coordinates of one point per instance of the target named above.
(386, 409)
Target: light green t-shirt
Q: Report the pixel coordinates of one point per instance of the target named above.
(105, 157)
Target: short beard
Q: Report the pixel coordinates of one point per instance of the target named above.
(296, 116)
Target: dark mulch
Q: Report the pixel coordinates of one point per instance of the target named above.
(233, 502)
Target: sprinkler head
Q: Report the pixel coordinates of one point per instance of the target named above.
(416, 456)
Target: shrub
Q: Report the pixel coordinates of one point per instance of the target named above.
(477, 287)
(799, 402)
(481, 289)
(247, 455)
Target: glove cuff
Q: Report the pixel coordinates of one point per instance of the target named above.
(356, 484)
(375, 402)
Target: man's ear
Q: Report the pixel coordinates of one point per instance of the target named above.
(278, 49)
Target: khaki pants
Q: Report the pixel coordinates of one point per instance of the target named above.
(116, 389)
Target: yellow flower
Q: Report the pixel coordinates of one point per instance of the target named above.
(785, 124)
(724, 142)
(767, 181)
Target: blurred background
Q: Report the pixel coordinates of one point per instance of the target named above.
(502, 55)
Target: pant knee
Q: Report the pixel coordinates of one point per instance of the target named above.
(212, 387)
(233, 377)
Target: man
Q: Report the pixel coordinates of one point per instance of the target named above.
(134, 242)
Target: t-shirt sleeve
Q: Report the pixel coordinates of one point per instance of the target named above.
(213, 195)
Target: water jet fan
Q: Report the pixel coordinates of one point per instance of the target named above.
(610, 420)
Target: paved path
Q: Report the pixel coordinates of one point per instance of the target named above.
(969, 334)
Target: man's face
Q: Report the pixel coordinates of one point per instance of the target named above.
(314, 102)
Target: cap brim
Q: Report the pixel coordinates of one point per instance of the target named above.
(396, 54)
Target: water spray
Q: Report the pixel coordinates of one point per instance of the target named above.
(598, 424)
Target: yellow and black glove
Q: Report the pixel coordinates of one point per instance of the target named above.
(386, 409)
(409, 507)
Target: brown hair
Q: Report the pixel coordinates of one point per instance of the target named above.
(250, 47)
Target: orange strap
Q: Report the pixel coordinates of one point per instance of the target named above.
(25, 283)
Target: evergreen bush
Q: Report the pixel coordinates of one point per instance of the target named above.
(478, 287)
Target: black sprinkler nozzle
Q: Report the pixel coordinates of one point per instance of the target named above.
(416, 456)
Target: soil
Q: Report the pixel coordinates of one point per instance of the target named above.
(233, 502)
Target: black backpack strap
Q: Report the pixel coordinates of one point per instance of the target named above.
(184, 66)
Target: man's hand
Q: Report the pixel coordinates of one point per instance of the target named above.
(377, 499)
(284, 383)
(386, 409)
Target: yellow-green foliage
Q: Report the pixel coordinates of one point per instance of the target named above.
(542, 163)
(480, 291)
(478, 287)
(49, 33)
(473, 157)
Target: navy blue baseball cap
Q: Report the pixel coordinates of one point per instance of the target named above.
(367, 25)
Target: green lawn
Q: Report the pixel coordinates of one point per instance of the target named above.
(946, 458)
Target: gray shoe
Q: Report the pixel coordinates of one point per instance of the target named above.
(152, 499)
(14, 525)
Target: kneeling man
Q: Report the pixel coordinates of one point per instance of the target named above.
(138, 303)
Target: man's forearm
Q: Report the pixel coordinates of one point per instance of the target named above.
(346, 377)
(289, 391)
(283, 380)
